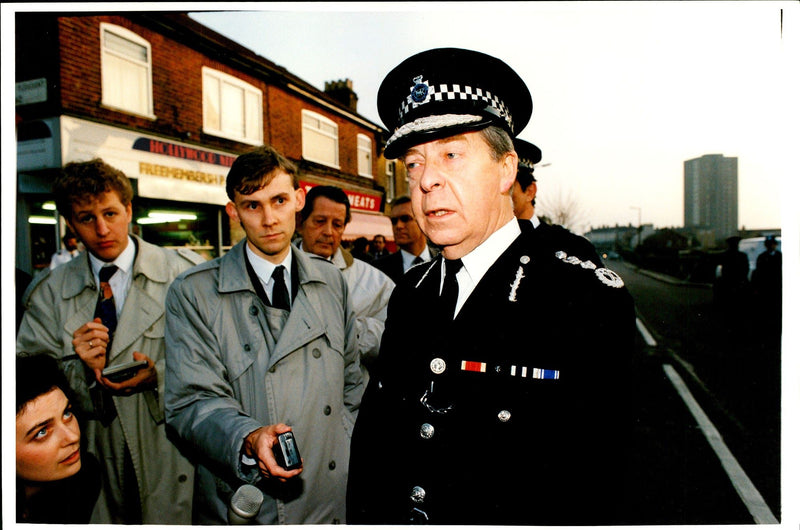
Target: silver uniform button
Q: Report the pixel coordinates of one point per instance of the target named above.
(525, 260)
(426, 431)
(417, 495)
(504, 416)
(438, 365)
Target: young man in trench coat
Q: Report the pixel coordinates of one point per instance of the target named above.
(146, 480)
(246, 363)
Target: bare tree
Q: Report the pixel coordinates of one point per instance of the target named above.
(562, 208)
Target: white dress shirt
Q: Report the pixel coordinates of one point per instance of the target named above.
(121, 281)
(264, 270)
(480, 259)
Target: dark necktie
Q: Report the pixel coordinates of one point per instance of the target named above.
(106, 309)
(449, 295)
(417, 261)
(280, 295)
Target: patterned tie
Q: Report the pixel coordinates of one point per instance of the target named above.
(449, 295)
(280, 295)
(106, 309)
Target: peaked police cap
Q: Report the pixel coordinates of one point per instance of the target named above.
(446, 91)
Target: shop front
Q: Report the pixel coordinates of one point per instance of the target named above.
(179, 189)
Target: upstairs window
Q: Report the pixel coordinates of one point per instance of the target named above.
(390, 180)
(231, 108)
(126, 66)
(320, 139)
(364, 156)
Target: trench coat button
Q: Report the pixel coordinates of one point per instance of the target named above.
(253, 310)
(426, 431)
(504, 416)
(332, 465)
(272, 369)
(182, 478)
(246, 347)
(438, 365)
(316, 353)
(327, 410)
(417, 494)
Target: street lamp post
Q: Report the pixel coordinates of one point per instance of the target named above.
(640, 223)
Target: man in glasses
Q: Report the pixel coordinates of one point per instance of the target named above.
(413, 244)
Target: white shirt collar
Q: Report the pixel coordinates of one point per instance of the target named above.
(124, 261)
(481, 258)
(408, 257)
(535, 221)
(264, 268)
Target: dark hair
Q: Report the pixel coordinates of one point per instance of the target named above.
(37, 375)
(401, 200)
(525, 178)
(333, 193)
(255, 169)
(360, 244)
(376, 236)
(81, 181)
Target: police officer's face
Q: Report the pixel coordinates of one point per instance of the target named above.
(268, 216)
(459, 191)
(322, 231)
(101, 223)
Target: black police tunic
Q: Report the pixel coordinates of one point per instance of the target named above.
(515, 412)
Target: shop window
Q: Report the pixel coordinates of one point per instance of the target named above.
(181, 225)
(126, 66)
(364, 156)
(231, 108)
(320, 139)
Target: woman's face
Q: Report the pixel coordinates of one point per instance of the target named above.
(48, 439)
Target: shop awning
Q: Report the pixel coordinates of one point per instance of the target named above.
(368, 225)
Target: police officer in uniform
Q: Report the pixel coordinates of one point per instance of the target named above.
(523, 195)
(467, 420)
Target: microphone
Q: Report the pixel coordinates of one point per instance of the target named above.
(245, 504)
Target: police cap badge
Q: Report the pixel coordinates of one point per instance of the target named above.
(445, 91)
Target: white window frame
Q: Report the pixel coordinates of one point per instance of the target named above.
(107, 83)
(249, 93)
(391, 182)
(333, 136)
(364, 149)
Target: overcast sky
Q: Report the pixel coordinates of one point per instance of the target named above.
(623, 92)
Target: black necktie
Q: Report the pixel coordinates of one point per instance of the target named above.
(106, 309)
(417, 260)
(449, 295)
(280, 295)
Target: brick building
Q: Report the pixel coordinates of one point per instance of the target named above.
(172, 103)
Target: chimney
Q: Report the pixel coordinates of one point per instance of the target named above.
(342, 91)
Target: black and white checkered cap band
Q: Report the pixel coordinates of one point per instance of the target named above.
(445, 92)
(526, 163)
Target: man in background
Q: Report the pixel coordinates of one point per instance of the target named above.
(412, 243)
(323, 220)
(65, 254)
(378, 247)
(523, 195)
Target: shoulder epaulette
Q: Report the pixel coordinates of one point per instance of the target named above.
(606, 276)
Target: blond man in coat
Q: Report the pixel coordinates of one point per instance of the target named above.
(146, 480)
